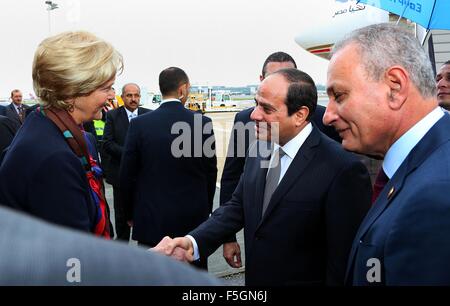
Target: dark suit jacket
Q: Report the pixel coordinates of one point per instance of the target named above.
(234, 163)
(43, 177)
(311, 220)
(408, 231)
(33, 252)
(12, 114)
(114, 134)
(7, 131)
(28, 110)
(2, 110)
(171, 195)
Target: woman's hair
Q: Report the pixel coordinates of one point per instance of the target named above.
(72, 64)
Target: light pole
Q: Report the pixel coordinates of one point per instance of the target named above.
(50, 7)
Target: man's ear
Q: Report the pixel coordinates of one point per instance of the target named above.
(181, 92)
(261, 78)
(398, 82)
(301, 115)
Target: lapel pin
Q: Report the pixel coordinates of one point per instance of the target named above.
(391, 192)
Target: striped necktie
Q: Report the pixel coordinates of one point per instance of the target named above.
(273, 176)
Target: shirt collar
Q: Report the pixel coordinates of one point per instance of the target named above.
(292, 146)
(17, 106)
(134, 113)
(170, 100)
(398, 152)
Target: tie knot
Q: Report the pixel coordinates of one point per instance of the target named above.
(381, 180)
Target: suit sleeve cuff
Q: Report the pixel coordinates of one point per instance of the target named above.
(195, 246)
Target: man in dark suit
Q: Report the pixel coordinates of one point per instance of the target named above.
(301, 214)
(116, 127)
(7, 131)
(404, 238)
(16, 111)
(34, 252)
(169, 165)
(242, 136)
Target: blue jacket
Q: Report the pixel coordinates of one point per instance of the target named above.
(43, 177)
(306, 233)
(405, 235)
(170, 195)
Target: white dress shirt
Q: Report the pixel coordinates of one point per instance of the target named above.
(17, 108)
(398, 152)
(170, 100)
(291, 148)
(131, 115)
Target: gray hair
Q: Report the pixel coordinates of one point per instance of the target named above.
(384, 45)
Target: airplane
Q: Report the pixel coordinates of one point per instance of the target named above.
(347, 15)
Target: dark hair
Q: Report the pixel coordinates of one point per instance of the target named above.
(14, 91)
(277, 57)
(170, 80)
(446, 63)
(301, 92)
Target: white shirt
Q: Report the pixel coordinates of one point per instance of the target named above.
(291, 148)
(131, 115)
(170, 100)
(17, 108)
(398, 152)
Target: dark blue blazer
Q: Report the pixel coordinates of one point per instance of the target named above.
(43, 177)
(306, 233)
(114, 134)
(234, 163)
(11, 113)
(407, 229)
(170, 195)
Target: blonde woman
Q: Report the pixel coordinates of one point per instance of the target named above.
(48, 170)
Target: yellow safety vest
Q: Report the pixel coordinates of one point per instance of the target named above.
(99, 127)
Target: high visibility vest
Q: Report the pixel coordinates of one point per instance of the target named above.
(99, 127)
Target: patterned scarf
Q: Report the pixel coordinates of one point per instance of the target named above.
(77, 141)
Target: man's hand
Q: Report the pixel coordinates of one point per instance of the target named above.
(232, 254)
(179, 248)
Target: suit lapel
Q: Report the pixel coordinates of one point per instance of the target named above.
(123, 118)
(297, 168)
(437, 135)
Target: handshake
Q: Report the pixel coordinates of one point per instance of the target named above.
(179, 248)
